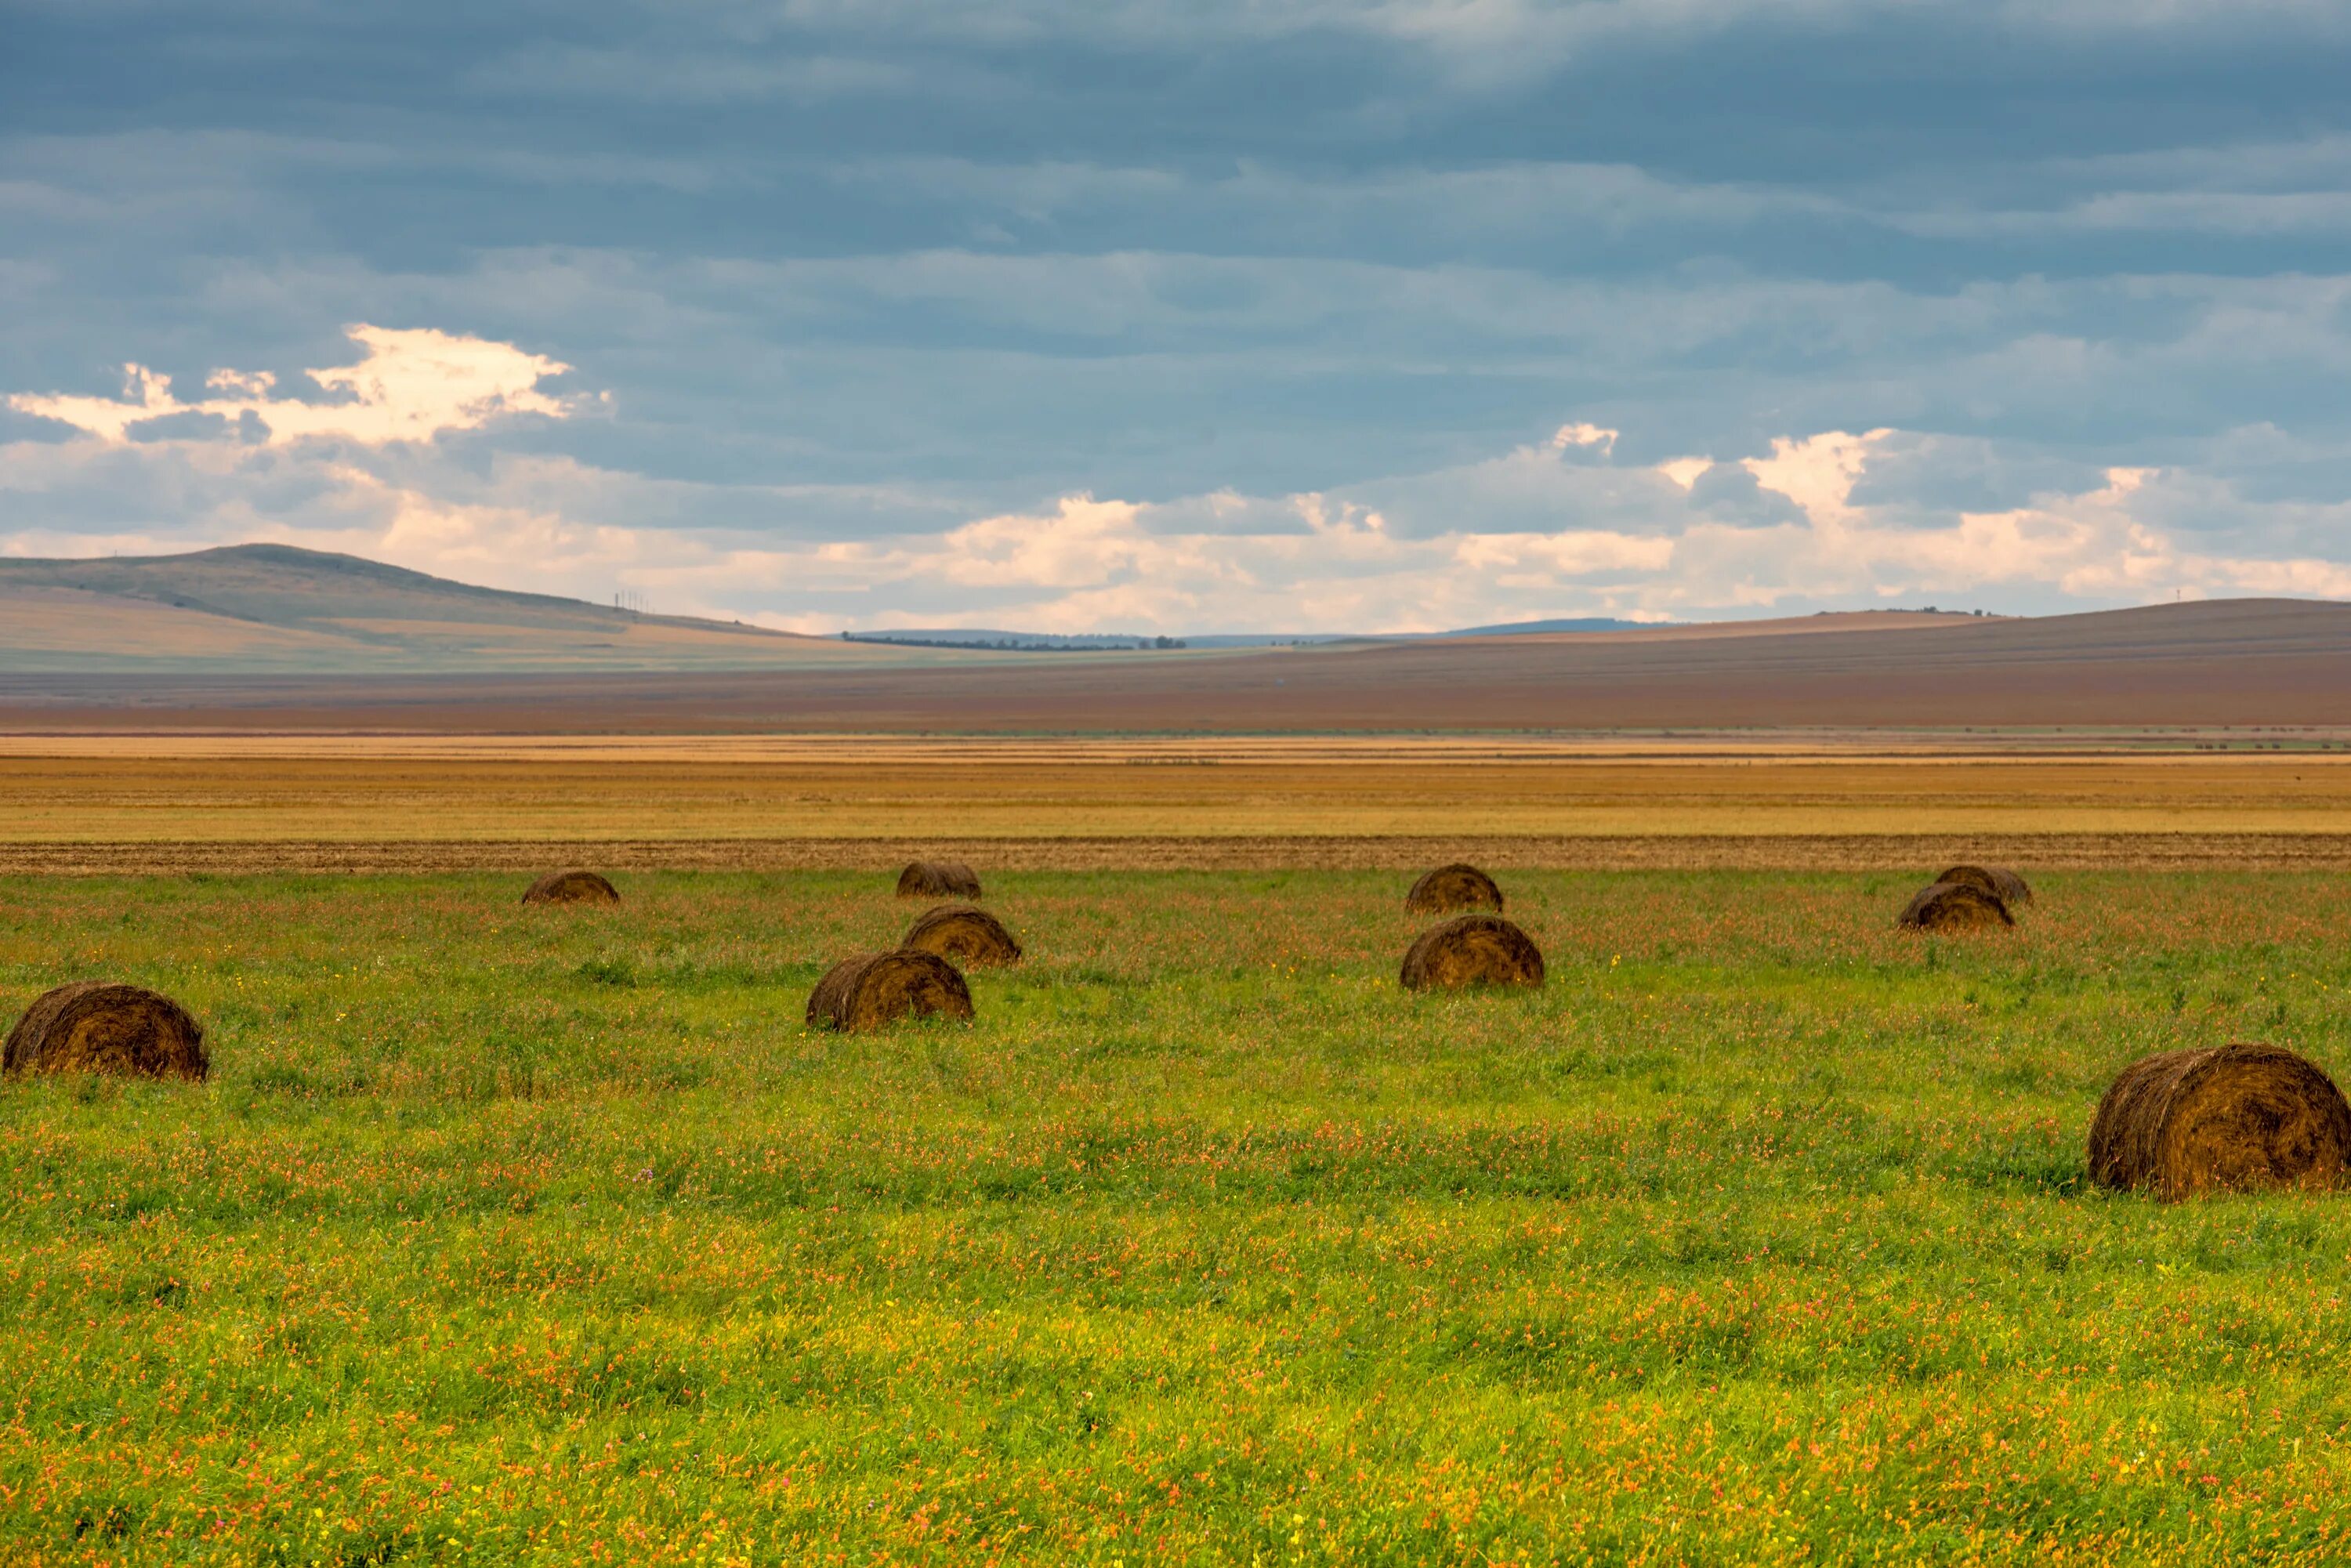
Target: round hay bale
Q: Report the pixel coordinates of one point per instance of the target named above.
(1472, 950)
(964, 933)
(938, 879)
(1452, 887)
(572, 887)
(2222, 1117)
(875, 988)
(1954, 906)
(92, 1026)
(1996, 879)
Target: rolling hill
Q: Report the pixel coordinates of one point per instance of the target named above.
(266, 610)
(274, 609)
(2227, 663)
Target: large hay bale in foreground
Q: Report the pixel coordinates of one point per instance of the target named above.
(938, 879)
(875, 988)
(964, 933)
(2220, 1117)
(1472, 950)
(572, 887)
(1954, 906)
(92, 1026)
(1996, 879)
(1452, 887)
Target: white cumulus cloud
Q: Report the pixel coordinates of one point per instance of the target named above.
(1585, 521)
(411, 386)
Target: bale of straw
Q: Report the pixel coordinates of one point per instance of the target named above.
(572, 887)
(938, 879)
(1954, 906)
(1472, 950)
(1452, 887)
(1996, 879)
(964, 933)
(875, 988)
(2220, 1117)
(94, 1027)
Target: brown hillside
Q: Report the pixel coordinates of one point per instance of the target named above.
(271, 608)
(2226, 663)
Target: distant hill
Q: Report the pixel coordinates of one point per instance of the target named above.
(1018, 642)
(275, 608)
(2229, 662)
(978, 637)
(1585, 624)
(1098, 642)
(278, 609)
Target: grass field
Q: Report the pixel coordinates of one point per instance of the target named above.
(1758, 1234)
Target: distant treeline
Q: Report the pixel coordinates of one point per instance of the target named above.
(1008, 645)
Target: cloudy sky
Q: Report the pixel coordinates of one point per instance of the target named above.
(1223, 315)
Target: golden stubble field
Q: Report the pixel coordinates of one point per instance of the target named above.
(421, 802)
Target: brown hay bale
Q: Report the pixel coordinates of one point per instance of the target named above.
(875, 988)
(2222, 1117)
(1472, 950)
(1954, 906)
(1996, 879)
(1452, 887)
(938, 879)
(572, 887)
(963, 932)
(94, 1027)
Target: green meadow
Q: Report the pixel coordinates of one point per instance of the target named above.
(1759, 1233)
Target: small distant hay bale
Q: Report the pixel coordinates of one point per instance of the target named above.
(1472, 950)
(2231, 1118)
(1452, 887)
(964, 933)
(875, 988)
(1954, 906)
(572, 887)
(92, 1026)
(1996, 879)
(938, 879)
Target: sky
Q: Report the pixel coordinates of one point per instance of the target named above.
(1220, 316)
